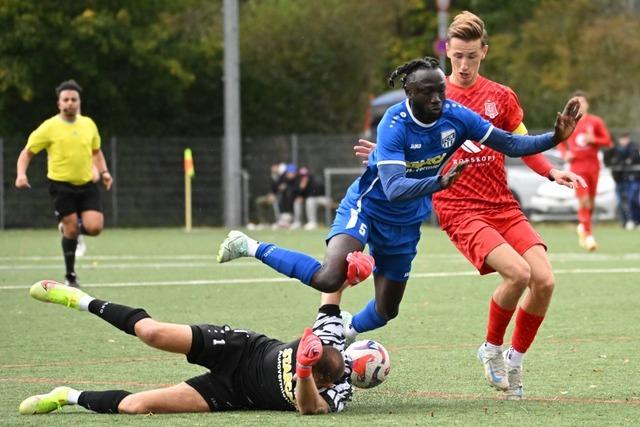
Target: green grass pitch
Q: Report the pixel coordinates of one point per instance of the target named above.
(583, 368)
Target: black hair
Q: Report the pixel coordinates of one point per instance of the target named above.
(68, 85)
(426, 63)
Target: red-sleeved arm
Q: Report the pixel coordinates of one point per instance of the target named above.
(539, 164)
(562, 148)
(601, 135)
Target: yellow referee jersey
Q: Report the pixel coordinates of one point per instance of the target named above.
(69, 147)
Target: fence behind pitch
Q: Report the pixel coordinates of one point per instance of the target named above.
(149, 181)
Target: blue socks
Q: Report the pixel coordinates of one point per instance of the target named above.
(290, 263)
(368, 318)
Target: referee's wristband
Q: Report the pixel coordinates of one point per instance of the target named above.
(103, 172)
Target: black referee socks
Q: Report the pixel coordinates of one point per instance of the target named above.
(120, 316)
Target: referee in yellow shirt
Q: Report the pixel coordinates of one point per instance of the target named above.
(72, 142)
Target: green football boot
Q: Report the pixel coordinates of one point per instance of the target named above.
(45, 403)
(52, 291)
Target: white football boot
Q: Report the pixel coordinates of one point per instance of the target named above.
(350, 334)
(495, 370)
(234, 246)
(515, 390)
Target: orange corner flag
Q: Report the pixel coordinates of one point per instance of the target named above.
(189, 169)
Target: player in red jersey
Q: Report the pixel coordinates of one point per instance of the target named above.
(483, 219)
(581, 152)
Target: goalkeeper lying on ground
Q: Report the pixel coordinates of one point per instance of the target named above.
(247, 370)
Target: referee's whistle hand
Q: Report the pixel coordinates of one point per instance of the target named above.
(22, 182)
(107, 180)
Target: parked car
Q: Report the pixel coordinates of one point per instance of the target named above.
(557, 202)
(544, 200)
(524, 182)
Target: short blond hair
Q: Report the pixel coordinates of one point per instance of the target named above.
(468, 27)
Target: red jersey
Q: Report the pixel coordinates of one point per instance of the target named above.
(585, 156)
(482, 186)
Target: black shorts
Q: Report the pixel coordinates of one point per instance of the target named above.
(69, 198)
(222, 352)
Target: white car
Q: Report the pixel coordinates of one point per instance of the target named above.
(544, 200)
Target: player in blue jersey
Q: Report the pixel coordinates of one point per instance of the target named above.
(385, 207)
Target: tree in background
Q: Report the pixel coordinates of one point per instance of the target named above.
(137, 61)
(155, 67)
(308, 66)
(592, 45)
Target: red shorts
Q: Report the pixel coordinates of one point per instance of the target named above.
(591, 177)
(476, 236)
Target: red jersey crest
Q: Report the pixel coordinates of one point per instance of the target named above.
(490, 109)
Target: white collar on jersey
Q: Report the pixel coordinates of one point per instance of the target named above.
(418, 122)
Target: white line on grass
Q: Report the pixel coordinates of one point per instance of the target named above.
(97, 262)
(580, 256)
(128, 266)
(284, 279)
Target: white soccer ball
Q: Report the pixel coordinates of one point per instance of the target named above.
(370, 363)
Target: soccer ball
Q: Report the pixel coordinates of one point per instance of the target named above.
(371, 363)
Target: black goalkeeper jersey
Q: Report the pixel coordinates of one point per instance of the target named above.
(266, 373)
(267, 368)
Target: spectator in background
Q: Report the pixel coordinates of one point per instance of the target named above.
(267, 204)
(309, 195)
(72, 143)
(581, 152)
(624, 161)
(286, 194)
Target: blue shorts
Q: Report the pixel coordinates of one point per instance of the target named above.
(392, 246)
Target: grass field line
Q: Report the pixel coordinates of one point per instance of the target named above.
(175, 265)
(558, 256)
(109, 361)
(562, 341)
(392, 348)
(36, 380)
(420, 394)
(263, 280)
(477, 396)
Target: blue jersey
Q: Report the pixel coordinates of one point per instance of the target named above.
(420, 150)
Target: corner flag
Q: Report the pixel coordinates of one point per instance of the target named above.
(189, 169)
(189, 173)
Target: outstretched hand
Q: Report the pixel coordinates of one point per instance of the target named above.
(452, 175)
(567, 178)
(362, 150)
(567, 120)
(308, 354)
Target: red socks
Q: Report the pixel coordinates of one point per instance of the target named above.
(527, 326)
(584, 217)
(499, 319)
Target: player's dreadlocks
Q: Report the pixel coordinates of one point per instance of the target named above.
(426, 63)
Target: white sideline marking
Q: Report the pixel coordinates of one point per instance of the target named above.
(90, 266)
(284, 280)
(579, 256)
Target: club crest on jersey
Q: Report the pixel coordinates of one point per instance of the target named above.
(447, 138)
(490, 109)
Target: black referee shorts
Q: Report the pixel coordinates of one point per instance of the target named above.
(222, 352)
(68, 198)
